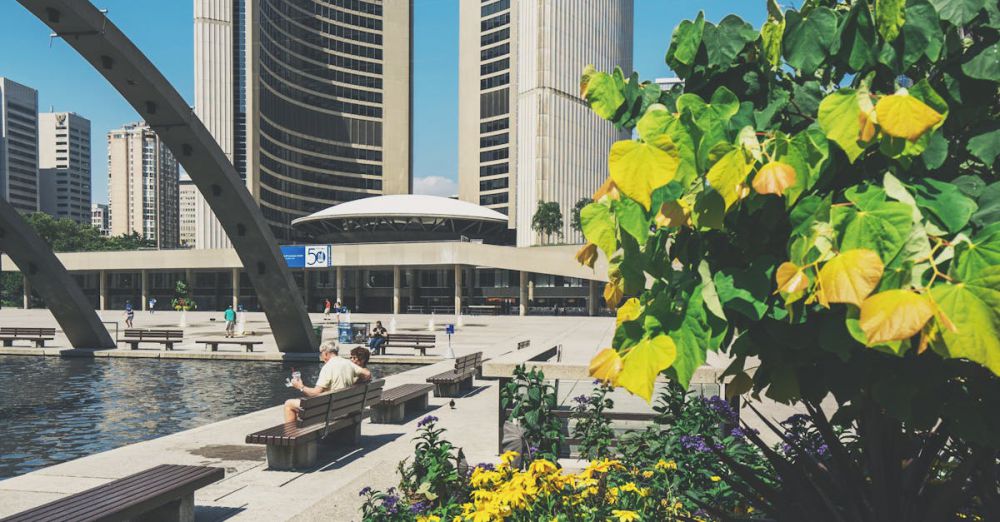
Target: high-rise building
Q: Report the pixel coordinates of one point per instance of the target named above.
(19, 145)
(142, 185)
(525, 134)
(64, 165)
(187, 196)
(100, 218)
(309, 98)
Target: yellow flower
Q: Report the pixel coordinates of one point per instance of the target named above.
(630, 487)
(647, 474)
(678, 505)
(715, 478)
(625, 515)
(508, 457)
(666, 465)
(542, 467)
(429, 518)
(601, 466)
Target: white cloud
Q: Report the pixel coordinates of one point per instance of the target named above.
(435, 186)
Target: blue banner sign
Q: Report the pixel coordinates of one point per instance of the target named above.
(307, 256)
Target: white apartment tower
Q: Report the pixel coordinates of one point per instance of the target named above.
(64, 165)
(19, 145)
(525, 134)
(187, 196)
(142, 185)
(310, 99)
(99, 217)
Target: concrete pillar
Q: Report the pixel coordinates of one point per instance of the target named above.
(357, 289)
(305, 289)
(236, 288)
(591, 297)
(102, 278)
(340, 284)
(27, 292)
(396, 283)
(144, 287)
(189, 277)
(411, 280)
(458, 289)
(522, 289)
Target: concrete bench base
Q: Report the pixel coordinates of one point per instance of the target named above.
(180, 510)
(396, 413)
(305, 454)
(452, 389)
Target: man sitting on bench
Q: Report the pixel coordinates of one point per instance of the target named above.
(337, 374)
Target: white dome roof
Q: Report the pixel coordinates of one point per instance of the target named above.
(405, 205)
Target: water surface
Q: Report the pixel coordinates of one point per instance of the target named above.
(56, 409)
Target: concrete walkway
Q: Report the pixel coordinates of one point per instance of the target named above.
(329, 492)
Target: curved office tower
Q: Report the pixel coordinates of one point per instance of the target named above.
(525, 135)
(316, 107)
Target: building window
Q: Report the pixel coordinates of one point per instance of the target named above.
(494, 8)
(494, 52)
(494, 67)
(493, 184)
(492, 38)
(493, 199)
(495, 22)
(494, 81)
(494, 140)
(494, 126)
(494, 155)
(494, 170)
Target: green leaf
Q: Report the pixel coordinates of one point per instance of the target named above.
(811, 209)
(728, 174)
(632, 218)
(936, 152)
(889, 17)
(883, 229)
(922, 35)
(974, 308)
(708, 291)
(644, 362)
(945, 202)
(603, 95)
(684, 44)
(709, 210)
(724, 103)
(598, 227)
(746, 291)
(724, 42)
(989, 206)
(985, 146)
(770, 35)
(857, 38)
(958, 12)
(979, 254)
(809, 39)
(639, 168)
(654, 122)
(691, 334)
(839, 120)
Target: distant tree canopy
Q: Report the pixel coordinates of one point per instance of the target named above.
(66, 235)
(548, 219)
(575, 217)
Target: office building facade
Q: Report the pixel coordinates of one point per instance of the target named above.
(100, 218)
(19, 145)
(525, 134)
(187, 197)
(64, 165)
(310, 99)
(142, 186)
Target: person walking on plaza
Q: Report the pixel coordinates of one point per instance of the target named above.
(230, 321)
(337, 309)
(326, 309)
(337, 374)
(129, 314)
(377, 337)
(152, 305)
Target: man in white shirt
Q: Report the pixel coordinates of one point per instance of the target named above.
(337, 374)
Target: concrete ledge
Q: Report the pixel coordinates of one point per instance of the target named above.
(203, 355)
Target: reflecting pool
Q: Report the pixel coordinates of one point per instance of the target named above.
(57, 409)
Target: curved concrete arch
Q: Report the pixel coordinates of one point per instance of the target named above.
(128, 70)
(74, 313)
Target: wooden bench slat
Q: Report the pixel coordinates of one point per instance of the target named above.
(404, 392)
(126, 497)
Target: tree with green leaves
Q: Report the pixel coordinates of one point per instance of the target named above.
(548, 219)
(819, 201)
(577, 208)
(66, 235)
(182, 300)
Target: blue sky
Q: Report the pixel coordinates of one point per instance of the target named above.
(66, 83)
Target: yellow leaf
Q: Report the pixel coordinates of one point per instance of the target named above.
(791, 278)
(774, 178)
(727, 176)
(605, 365)
(894, 315)
(672, 214)
(613, 294)
(607, 189)
(629, 311)
(587, 255)
(850, 276)
(638, 168)
(903, 116)
(644, 362)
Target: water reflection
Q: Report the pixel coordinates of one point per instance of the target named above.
(53, 410)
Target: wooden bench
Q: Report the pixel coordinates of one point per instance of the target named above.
(451, 382)
(483, 310)
(9, 334)
(168, 338)
(395, 402)
(213, 344)
(165, 492)
(415, 341)
(331, 417)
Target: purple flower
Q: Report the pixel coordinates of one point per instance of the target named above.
(581, 399)
(419, 507)
(741, 433)
(488, 466)
(694, 442)
(721, 408)
(426, 420)
(364, 491)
